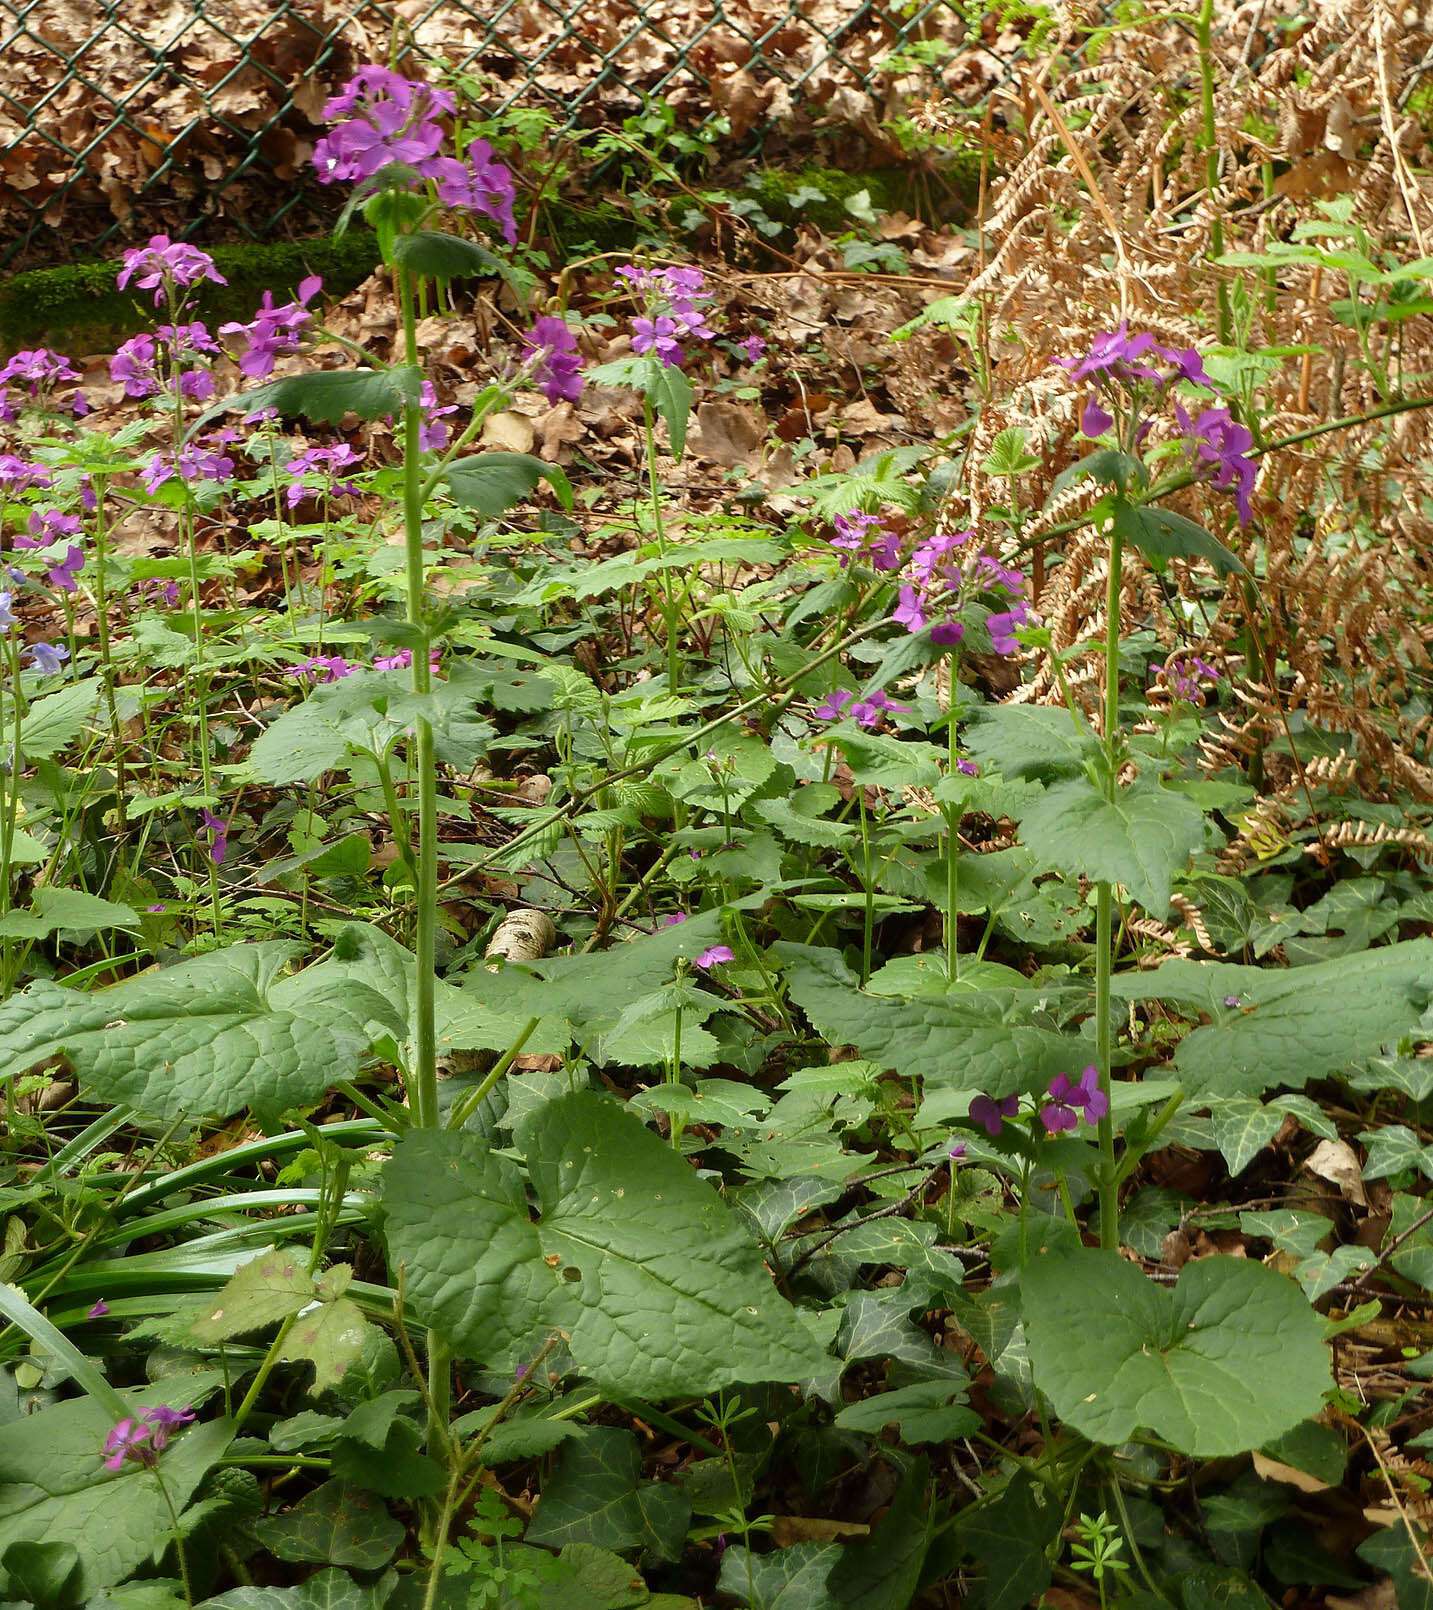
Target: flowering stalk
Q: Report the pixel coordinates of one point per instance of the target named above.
(1108, 1191)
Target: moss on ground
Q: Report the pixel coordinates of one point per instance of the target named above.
(77, 308)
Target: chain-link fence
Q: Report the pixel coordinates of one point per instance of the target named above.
(198, 117)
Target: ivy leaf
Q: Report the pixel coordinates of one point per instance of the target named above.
(597, 1497)
(1230, 1359)
(326, 395)
(1393, 1150)
(1139, 839)
(493, 483)
(335, 1524)
(638, 1261)
(324, 1590)
(1162, 535)
(212, 1035)
(1242, 1128)
(792, 1578)
(1009, 1537)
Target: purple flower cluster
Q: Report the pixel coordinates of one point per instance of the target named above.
(1117, 356)
(433, 433)
(858, 533)
(141, 363)
(672, 296)
(218, 831)
(48, 658)
(144, 1437)
(36, 373)
(165, 266)
(1069, 1102)
(940, 586)
(329, 462)
(194, 462)
(864, 712)
(386, 118)
(20, 475)
(274, 332)
(1220, 445)
(550, 354)
(321, 668)
(1182, 675)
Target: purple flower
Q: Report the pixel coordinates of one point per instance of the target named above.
(751, 348)
(164, 265)
(194, 463)
(1095, 421)
(991, 1114)
(63, 574)
(956, 1151)
(39, 371)
(712, 955)
(1118, 355)
(219, 836)
(388, 118)
(1220, 445)
(328, 667)
(833, 706)
(48, 658)
(326, 461)
(1231, 1000)
(867, 712)
(433, 433)
(1069, 1100)
(47, 527)
(673, 918)
(941, 580)
(274, 332)
(858, 531)
(550, 349)
(100, 1309)
(163, 1422)
(482, 185)
(19, 475)
(1182, 674)
(657, 335)
(7, 620)
(968, 768)
(1001, 627)
(127, 1440)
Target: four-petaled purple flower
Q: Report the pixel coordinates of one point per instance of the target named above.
(48, 658)
(672, 295)
(865, 712)
(19, 475)
(40, 371)
(991, 1114)
(326, 461)
(751, 348)
(163, 1422)
(326, 668)
(47, 527)
(164, 264)
(1068, 1101)
(712, 955)
(63, 574)
(1182, 674)
(218, 830)
(274, 332)
(857, 531)
(1220, 445)
(550, 349)
(143, 1437)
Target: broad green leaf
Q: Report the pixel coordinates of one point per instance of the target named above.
(1029, 740)
(335, 1524)
(317, 734)
(493, 483)
(1009, 1537)
(670, 392)
(1393, 1149)
(56, 1488)
(598, 1497)
(1290, 1025)
(927, 1411)
(1228, 1360)
(398, 1468)
(1140, 839)
(637, 1260)
(878, 760)
(1162, 535)
(324, 1590)
(962, 1042)
(432, 254)
(330, 1337)
(212, 1035)
(883, 1571)
(261, 1292)
(47, 1574)
(326, 395)
(55, 909)
(53, 720)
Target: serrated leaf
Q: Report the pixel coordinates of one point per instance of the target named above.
(1139, 839)
(53, 720)
(335, 1524)
(638, 1261)
(1029, 740)
(433, 254)
(261, 1292)
(493, 483)
(317, 734)
(330, 1338)
(878, 760)
(670, 392)
(324, 396)
(1228, 1360)
(212, 1035)
(55, 909)
(1162, 535)
(953, 1042)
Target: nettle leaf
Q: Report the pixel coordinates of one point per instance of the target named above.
(1293, 1025)
(212, 1035)
(492, 483)
(1230, 1359)
(1162, 535)
(1140, 839)
(1029, 740)
(637, 1260)
(326, 395)
(878, 760)
(52, 721)
(959, 1042)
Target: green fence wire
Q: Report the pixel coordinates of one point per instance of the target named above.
(120, 118)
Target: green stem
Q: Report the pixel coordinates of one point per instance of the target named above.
(1104, 906)
(670, 610)
(424, 1095)
(100, 533)
(178, 1540)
